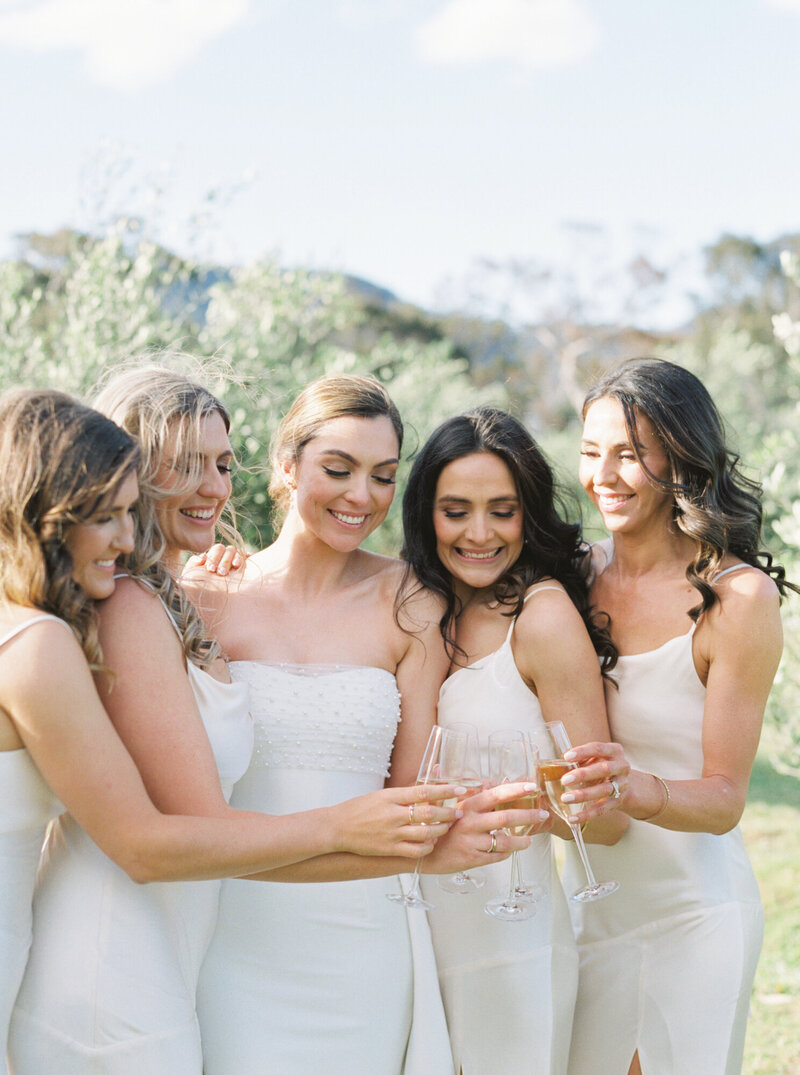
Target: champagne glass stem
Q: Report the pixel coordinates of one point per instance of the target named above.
(414, 890)
(581, 846)
(512, 888)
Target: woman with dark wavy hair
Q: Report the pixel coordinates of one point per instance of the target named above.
(483, 528)
(667, 967)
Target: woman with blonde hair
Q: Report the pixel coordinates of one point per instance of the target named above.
(343, 685)
(111, 974)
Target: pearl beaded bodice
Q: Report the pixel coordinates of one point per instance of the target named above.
(321, 717)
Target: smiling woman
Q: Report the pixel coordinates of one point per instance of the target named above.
(667, 969)
(343, 688)
(483, 528)
(477, 519)
(96, 545)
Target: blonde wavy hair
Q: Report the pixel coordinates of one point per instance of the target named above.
(61, 460)
(337, 396)
(162, 410)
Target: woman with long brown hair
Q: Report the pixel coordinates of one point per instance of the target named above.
(667, 965)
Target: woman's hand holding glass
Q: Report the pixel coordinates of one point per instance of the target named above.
(600, 781)
(483, 834)
(442, 760)
(554, 744)
(396, 821)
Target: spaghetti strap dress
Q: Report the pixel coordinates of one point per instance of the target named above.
(111, 978)
(327, 978)
(508, 988)
(667, 963)
(26, 806)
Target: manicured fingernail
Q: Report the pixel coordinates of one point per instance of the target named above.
(570, 778)
(570, 755)
(530, 787)
(237, 561)
(222, 571)
(543, 815)
(459, 813)
(567, 798)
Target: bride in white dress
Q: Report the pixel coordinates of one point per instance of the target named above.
(481, 526)
(332, 978)
(113, 965)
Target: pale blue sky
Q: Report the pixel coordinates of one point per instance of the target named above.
(402, 139)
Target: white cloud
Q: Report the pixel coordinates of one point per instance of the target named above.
(360, 13)
(125, 44)
(535, 33)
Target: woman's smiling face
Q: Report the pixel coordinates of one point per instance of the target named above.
(96, 543)
(613, 477)
(343, 484)
(477, 519)
(188, 520)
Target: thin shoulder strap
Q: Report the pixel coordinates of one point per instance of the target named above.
(29, 623)
(728, 570)
(529, 594)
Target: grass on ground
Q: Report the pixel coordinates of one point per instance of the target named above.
(771, 826)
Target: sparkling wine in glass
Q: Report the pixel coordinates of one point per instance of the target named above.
(471, 779)
(552, 767)
(441, 763)
(512, 758)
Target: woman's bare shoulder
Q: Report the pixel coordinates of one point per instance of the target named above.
(548, 615)
(131, 597)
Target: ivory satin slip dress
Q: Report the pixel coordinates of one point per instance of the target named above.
(667, 962)
(111, 978)
(508, 987)
(26, 806)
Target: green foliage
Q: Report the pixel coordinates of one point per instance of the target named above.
(756, 385)
(266, 331)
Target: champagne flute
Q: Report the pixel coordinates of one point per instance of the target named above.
(530, 892)
(513, 758)
(443, 759)
(552, 768)
(471, 779)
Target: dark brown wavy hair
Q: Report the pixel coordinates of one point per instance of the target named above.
(60, 460)
(714, 503)
(553, 548)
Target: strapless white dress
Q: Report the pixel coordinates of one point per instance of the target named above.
(330, 978)
(26, 806)
(110, 983)
(508, 988)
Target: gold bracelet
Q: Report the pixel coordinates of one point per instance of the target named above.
(661, 810)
